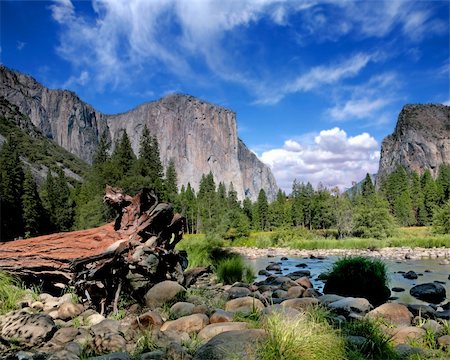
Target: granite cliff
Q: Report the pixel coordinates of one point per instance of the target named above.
(199, 136)
(420, 142)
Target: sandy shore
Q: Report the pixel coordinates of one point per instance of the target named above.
(400, 253)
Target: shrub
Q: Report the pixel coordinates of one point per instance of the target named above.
(372, 219)
(233, 269)
(300, 338)
(11, 291)
(359, 277)
(441, 220)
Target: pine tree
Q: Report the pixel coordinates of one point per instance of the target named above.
(430, 198)
(443, 184)
(263, 210)
(247, 208)
(11, 188)
(33, 210)
(123, 157)
(101, 154)
(189, 208)
(207, 203)
(170, 183)
(367, 187)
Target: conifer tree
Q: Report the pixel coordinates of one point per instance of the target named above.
(207, 203)
(443, 183)
(101, 154)
(367, 187)
(430, 198)
(123, 157)
(247, 208)
(33, 211)
(11, 188)
(263, 210)
(170, 182)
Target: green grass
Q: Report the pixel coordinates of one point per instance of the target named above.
(377, 345)
(234, 269)
(11, 292)
(311, 240)
(300, 338)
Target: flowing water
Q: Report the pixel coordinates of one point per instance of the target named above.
(429, 270)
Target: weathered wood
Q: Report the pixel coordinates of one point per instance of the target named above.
(130, 255)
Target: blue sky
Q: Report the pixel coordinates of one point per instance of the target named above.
(316, 85)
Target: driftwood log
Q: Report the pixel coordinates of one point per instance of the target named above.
(131, 254)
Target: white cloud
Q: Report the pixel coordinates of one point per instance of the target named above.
(127, 39)
(335, 159)
(20, 45)
(81, 80)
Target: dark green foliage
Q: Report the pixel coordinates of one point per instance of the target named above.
(170, 183)
(189, 208)
(207, 203)
(441, 220)
(262, 207)
(33, 211)
(367, 188)
(443, 184)
(123, 157)
(343, 210)
(11, 189)
(430, 199)
(359, 277)
(301, 204)
(101, 154)
(372, 219)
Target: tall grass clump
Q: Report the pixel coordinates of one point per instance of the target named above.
(359, 277)
(234, 269)
(377, 344)
(11, 291)
(203, 250)
(300, 338)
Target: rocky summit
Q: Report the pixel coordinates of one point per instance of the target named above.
(200, 137)
(420, 142)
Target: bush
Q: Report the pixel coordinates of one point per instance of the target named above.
(359, 277)
(441, 220)
(300, 338)
(233, 269)
(373, 220)
(11, 291)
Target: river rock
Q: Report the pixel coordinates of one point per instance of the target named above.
(188, 324)
(69, 310)
(311, 292)
(295, 292)
(148, 320)
(329, 298)
(289, 312)
(273, 267)
(221, 316)
(182, 308)
(245, 305)
(163, 292)
(425, 311)
(349, 305)
(212, 330)
(236, 344)
(295, 275)
(305, 282)
(28, 329)
(410, 275)
(405, 335)
(300, 303)
(444, 341)
(237, 292)
(429, 292)
(396, 314)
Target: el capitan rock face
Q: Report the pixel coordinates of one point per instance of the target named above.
(420, 142)
(200, 137)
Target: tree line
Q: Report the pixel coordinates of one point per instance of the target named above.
(403, 198)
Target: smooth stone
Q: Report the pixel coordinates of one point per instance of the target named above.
(237, 344)
(284, 258)
(329, 298)
(305, 282)
(68, 310)
(429, 292)
(410, 275)
(349, 305)
(238, 292)
(398, 289)
(444, 341)
(433, 326)
(300, 303)
(212, 330)
(311, 292)
(298, 274)
(188, 324)
(301, 265)
(107, 326)
(180, 309)
(273, 267)
(148, 320)
(295, 292)
(289, 312)
(245, 304)
(220, 316)
(396, 314)
(422, 310)
(405, 335)
(94, 319)
(163, 292)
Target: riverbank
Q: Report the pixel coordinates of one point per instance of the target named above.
(395, 253)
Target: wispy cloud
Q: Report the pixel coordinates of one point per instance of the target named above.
(126, 40)
(20, 45)
(334, 159)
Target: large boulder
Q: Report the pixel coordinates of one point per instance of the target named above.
(350, 305)
(236, 344)
(430, 292)
(396, 314)
(406, 334)
(27, 329)
(163, 292)
(300, 303)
